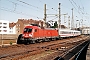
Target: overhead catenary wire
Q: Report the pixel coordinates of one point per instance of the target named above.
(30, 5)
(85, 13)
(74, 6)
(82, 6)
(17, 12)
(82, 11)
(54, 18)
(78, 7)
(48, 15)
(49, 6)
(15, 3)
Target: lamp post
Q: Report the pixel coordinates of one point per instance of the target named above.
(76, 24)
(81, 24)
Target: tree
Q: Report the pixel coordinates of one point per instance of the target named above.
(55, 25)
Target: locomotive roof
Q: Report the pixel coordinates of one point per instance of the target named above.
(35, 27)
(49, 28)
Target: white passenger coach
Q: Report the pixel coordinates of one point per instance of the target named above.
(86, 31)
(68, 33)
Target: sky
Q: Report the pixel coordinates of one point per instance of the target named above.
(12, 10)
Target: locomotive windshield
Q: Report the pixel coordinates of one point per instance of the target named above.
(28, 30)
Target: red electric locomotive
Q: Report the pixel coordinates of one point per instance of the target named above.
(32, 34)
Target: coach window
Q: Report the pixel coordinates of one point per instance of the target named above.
(61, 32)
(71, 32)
(0, 26)
(75, 32)
(0, 22)
(65, 32)
(0, 30)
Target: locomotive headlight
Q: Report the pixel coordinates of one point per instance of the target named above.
(30, 35)
(23, 35)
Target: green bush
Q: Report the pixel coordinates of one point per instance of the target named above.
(11, 43)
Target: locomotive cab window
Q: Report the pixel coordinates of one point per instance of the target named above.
(28, 30)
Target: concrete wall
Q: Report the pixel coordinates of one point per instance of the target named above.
(8, 36)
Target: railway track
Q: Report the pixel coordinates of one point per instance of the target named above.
(22, 52)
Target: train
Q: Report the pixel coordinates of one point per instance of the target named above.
(86, 31)
(64, 33)
(33, 34)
